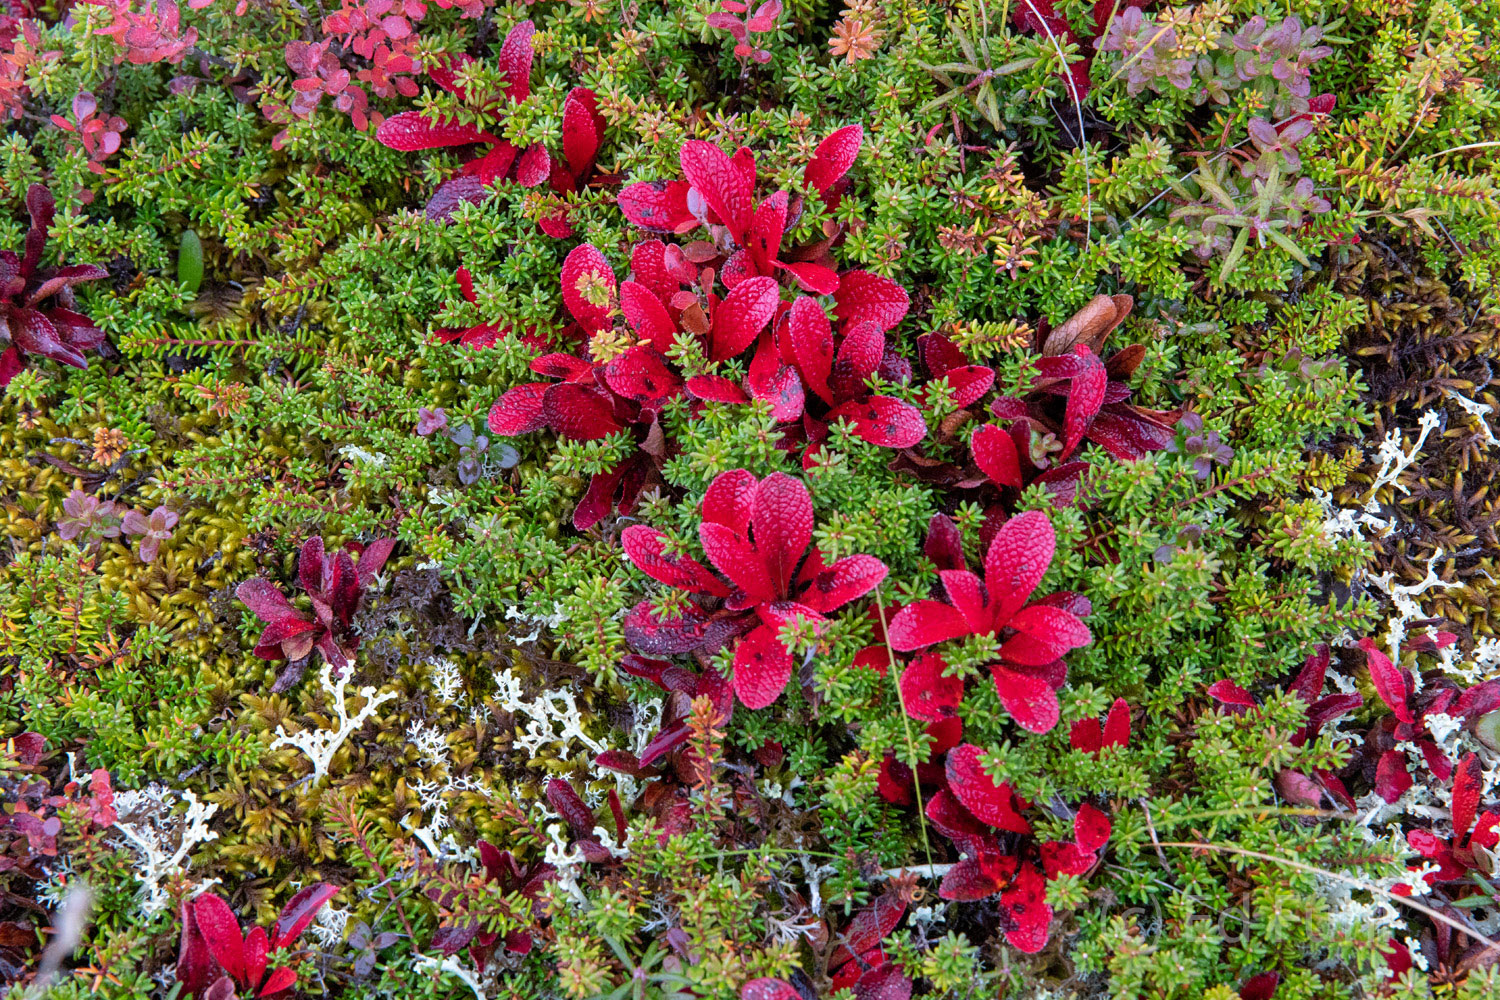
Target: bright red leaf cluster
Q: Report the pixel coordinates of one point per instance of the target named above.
(757, 534)
(218, 962)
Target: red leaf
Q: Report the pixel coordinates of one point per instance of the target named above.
(812, 277)
(1090, 828)
(989, 802)
(833, 158)
(267, 602)
(1085, 398)
(777, 383)
(740, 317)
(647, 316)
(730, 499)
(1026, 900)
(858, 358)
(923, 623)
(1085, 735)
(927, 694)
(641, 374)
(768, 989)
(578, 413)
(519, 411)
(1309, 682)
(409, 131)
(1044, 635)
(864, 296)
(658, 206)
(514, 61)
(575, 812)
(195, 963)
(1227, 692)
(1031, 701)
(883, 421)
(953, 821)
(766, 227)
(850, 578)
(1260, 987)
(812, 344)
(533, 167)
(299, 911)
(723, 186)
(582, 128)
(217, 922)
(1059, 858)
(734, 556)
(585, 267)
(646, 547)
(1017, 559)
(1117, 724)
(1390, 683)
(278, 982)
(257, 947)
(782, 519)
(716, 389)
(1468, 784)
(944, 546)
(886, 982)
(762, 667)
(967, 385)
(967, 881)
(869, 927)
(1391, 777)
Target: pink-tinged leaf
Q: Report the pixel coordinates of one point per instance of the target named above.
(263, 599)
(1090, 828)
(658, 206)
(778, 384)
(1298, 789)
(782, 521)
(1128, 433)
(848, 579)
(730, 499)
(1260, 987)
(1030, 700)
(812, 345)
(578, 413)
(519, 411)
(409, 132)
(373, 559)
(649, 268)
(1481, 699)
(647, 316)
(766, 227)
(734, 556)
(811, 277)
(869, 927)
(1017, 559)
(582, 128)
(1085, 398)
(926, 693)
(768, 989)
(565, 801)
(990, 802)
(195, 963)
(1043, 634)
(863, 296)
(952, 820)
(924, 623)
(740, 317)
(641, 374)
(939, 354)
(1390, 683)
(599, 497)
(1468, 784)
(762, 667)
(11, 364)
(1117, 724)
(1227, 692)
(646, 547)
(586, 268)
(1391, 777)
(967, 385)
(515, 61)
(1026, 901)
(722, 184)
(217, 922)
(833, 158)
(716, 389)
(882, 420)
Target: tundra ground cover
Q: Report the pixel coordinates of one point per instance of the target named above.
(771, 500)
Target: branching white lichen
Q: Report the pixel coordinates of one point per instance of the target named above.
(453, 967)
(553, 718)
(161, 839)
(321, 744)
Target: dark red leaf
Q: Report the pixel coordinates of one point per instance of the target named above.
(658, 206)
(869, 927)
(1031, 701)
(926, 693)
(833, 158)
(1390, 683)
(299, 911)
(646, 547)
(738, 320)
(762, 667)
(1391, 776)
(883, 421)
(565, 800)
(578, 413)
(519, 411)
(220, 928)
(864, 296)
(991, 802)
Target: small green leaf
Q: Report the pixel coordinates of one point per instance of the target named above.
(190, 261)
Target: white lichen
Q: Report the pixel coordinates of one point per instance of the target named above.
(161, 839)
(321, 744)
